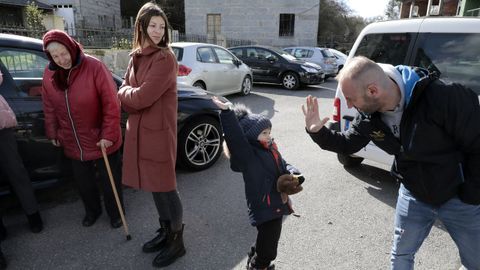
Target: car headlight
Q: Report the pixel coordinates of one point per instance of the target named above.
(309, 69)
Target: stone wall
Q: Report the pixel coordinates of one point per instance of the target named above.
(93, 13)
(255, 20)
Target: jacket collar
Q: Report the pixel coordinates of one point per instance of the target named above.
(146, 51)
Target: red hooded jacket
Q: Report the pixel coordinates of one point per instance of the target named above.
(80, 104)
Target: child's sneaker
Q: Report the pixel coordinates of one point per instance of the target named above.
(250, 256)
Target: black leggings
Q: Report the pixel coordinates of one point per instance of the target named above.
(84, 174)
(169, 208)
(267, 243)
(11, 164)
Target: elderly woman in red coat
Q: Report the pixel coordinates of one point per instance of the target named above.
(149, 95)
(82, 114)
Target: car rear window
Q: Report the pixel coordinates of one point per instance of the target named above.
(454, 56)
(303, 53)
(327, 53)
(388, 48)
(178, 53)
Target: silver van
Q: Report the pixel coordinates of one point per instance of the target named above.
(448, 46)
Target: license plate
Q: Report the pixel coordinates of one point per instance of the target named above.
(347, 125)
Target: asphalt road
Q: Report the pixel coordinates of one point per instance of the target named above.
(345, 216)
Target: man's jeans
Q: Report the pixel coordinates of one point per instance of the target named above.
(414, 219)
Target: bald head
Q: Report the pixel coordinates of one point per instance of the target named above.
(364, 83)
(361, 71)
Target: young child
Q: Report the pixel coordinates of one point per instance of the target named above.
(254, 154)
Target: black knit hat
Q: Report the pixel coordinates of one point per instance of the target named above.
(251, 124)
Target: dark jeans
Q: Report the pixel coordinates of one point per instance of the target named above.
(267, 243)
(12, 165)
(84, 173)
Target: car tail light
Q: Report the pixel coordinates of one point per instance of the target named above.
(183, 70)
(336, 110)
(330, 61)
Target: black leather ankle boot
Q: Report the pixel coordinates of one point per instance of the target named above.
(35, 222)
(173, 249)
(159, 241)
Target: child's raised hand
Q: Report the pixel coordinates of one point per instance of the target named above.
(220, 104)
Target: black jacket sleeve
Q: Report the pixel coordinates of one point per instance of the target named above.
(240, 149)
(346, 143)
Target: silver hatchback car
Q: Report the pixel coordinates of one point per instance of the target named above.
(212, 68)
(319, 56)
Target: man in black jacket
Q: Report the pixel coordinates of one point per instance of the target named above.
(433, 130)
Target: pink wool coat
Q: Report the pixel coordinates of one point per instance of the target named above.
(149, 95)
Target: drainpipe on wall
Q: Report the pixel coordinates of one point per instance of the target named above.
(440, 7)
(411, 9)
(429, 6)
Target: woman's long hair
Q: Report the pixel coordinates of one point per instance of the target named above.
(142, 21)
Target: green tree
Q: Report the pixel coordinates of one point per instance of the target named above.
(34, 20)
(337, 27)
(392, 11)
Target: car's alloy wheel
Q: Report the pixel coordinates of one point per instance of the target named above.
(290, 81)
(199, 143)
(246, 86)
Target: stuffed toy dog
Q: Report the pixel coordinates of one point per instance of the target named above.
(290, 184)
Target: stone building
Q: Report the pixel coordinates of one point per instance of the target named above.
(269, 22)
(102, 14)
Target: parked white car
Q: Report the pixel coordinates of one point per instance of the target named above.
(320, 56)
(212, 68)
(341, 57)
(447, 46)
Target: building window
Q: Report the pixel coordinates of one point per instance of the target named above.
(287, 25)
(214, 22)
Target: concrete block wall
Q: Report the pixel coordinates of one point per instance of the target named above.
(256, 20)
(91, 9)
(87, 11)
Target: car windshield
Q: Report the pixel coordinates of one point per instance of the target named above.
(284, 54)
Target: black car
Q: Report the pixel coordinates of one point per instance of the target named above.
(272, 65)
(22, 62)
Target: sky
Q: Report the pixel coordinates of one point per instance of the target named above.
(366, 9)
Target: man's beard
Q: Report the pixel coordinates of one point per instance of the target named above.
(371, 105)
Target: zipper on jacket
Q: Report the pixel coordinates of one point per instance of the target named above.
(461, 172)
(410, 142)
(71, 119)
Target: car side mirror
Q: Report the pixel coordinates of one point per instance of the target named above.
(237, 62)
(271, 58)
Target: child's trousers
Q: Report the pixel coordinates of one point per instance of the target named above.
(267, 243)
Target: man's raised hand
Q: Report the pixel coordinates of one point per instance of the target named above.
(313, 123)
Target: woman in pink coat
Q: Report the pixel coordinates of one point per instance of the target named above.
(149, 95)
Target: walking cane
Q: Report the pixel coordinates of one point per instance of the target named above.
(117, 200)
